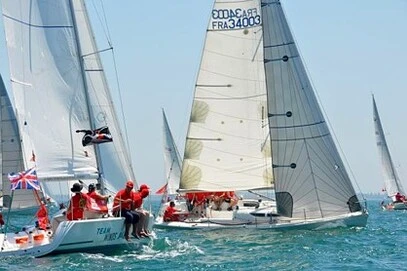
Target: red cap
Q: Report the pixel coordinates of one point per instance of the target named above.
(144, 193)
(130, 184)
(144, 186)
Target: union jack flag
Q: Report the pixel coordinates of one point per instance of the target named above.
(24, 180)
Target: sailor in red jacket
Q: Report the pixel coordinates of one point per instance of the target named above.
(122, 206)
(98, 202)
(170, 213)
(142, 226)
(77, 204)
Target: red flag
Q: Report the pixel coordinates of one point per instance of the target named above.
(42, 215)
(162, 189)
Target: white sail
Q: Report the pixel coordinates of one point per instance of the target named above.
(391, 180)
(311, 179)
(226, 145)
(172, 159)
(114, 158)
(59, 87)
(11, 156)
(256, 121)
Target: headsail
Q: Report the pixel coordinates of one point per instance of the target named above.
(59, 87)
(311, 179)
(391, 179)
(114, 158)
(227, 146)
(12, 156)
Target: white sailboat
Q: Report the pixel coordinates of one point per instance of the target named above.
(60, 88)
(173, 165)
(172, 162)
(392, 181)
(12, 160)
(256, 124)
(172, 159)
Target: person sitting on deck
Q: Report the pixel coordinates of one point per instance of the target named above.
(142, 225)
(170, 213)
(399, 197)
(122, 206)
(230, 198)
(97, 206)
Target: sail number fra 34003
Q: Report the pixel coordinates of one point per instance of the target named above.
(223, 19)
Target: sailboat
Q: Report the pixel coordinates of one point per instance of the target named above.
(12, 160)
(61, 99)
(391, 179)
(172, 160)
(256, 124)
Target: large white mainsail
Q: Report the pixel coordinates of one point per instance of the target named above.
(59, 87)
(172, 159)
(391, 180)
(226, 146)
(11, 156)
(311, 179)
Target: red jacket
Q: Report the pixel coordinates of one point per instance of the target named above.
(77, 206)
(123, 195)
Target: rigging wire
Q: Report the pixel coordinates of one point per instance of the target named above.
(103, 22)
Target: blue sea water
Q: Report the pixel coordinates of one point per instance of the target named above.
(378, 246)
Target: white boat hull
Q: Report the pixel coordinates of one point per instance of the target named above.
(395, 206)
(261, 217)
(357, 219)
(70, 236)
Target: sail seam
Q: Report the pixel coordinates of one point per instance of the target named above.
(36, 25)
(300, 138)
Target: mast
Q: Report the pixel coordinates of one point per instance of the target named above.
(85, 85)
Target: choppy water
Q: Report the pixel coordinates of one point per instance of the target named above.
(379, 246)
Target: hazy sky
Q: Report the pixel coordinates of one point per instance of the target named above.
(351, 49)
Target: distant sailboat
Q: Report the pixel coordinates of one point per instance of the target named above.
(256, 124)
(12, 159)
(392, 182)
(172, 164)
(67, 119)
(172, 160)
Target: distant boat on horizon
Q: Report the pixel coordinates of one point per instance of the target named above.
(392, 183)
